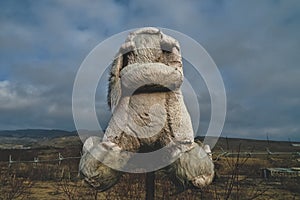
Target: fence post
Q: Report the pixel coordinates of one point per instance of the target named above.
(9, 161)
(78, 174)
(35, 161)
(60, 158)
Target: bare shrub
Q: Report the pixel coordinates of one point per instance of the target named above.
(13, 187)
(72, 188)
(130, 186)
(235, 185)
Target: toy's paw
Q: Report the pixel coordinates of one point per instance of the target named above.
(101, 162)
(203, 180)
(192, 168)
(96, 173)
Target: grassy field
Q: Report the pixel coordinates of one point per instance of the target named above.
(237, 177)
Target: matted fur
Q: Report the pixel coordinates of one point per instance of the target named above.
(148, 114)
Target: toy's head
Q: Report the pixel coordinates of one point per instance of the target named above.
(148, 61)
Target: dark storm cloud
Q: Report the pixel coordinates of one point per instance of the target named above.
(254, 43)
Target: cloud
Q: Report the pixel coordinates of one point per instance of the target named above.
(27, 106)
(255, 44)
(15, 98)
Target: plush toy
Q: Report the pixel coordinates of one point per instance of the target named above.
(149, 114)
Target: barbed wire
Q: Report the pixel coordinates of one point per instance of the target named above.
(252, 153)
(37, 160)
(217, 156)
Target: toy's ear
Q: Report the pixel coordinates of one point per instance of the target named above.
(114, 87)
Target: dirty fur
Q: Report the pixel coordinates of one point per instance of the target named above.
(148, 113)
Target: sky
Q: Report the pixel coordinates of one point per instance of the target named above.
(254, 43)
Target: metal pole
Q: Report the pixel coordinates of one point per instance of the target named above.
(150, 185)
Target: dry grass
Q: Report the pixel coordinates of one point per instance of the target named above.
(132, 186)
(237, 178)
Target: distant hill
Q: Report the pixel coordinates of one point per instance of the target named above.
(36, 138)
(249, 145)
(16, 139)
(36, 133)
(56, 137)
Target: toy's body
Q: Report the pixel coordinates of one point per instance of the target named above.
(148, 114)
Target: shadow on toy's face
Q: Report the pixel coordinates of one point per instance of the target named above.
(155, 55)
(149, 48)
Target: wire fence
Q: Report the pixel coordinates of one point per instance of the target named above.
(217, 156)
(131, 180)
(253, 153)
(37, 160)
